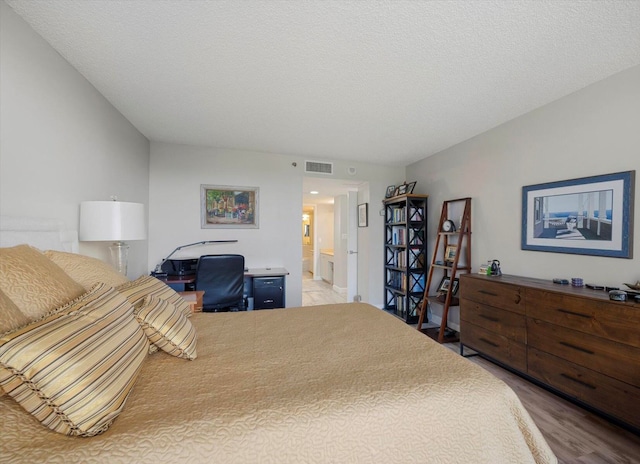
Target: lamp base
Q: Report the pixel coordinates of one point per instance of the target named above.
(119, 256)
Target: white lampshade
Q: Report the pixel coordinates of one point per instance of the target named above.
(111, 221)
(114, 221)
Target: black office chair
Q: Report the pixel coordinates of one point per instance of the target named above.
(222, 279)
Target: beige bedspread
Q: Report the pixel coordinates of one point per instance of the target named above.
(331, 384)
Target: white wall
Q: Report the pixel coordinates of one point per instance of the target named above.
(176, 173)
(61, 141)
(591, 132)
(324, 238)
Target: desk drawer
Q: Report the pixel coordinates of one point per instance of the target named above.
(268, 292)
(496, 346)
(616, 360)
(506, 323)
(496, 294)
(611, 320)
(600, 391)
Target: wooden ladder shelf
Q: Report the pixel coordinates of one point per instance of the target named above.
(452, 265)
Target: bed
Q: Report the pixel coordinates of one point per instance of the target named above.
(335, 383)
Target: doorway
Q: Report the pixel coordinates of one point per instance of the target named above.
(329, 240)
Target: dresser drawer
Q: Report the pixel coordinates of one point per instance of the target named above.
(494, 345)
(612, 320)
(609, 395)
(506, 323)
(616, 360)
(493, 293)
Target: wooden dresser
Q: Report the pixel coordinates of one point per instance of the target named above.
(573, 340)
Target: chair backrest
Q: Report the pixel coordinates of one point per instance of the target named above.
(222, 279)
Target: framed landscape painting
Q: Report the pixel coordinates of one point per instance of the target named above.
(589, 216)
(228, 207)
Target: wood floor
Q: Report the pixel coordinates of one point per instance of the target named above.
(575, 435)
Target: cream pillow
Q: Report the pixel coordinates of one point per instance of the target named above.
(10, 316)
(33, 282)
(85, 270)
(74, 368)
(167, 327)
(145, 286)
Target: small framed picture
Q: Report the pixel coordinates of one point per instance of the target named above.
(445, 283)
(411, 186)
(391, 190)
(402, 189)
(450, 253)
(363, 216)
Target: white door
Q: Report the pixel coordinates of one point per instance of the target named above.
(352, 246)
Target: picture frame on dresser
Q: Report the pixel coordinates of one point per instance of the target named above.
(587, 216)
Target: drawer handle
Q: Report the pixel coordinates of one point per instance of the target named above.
(573, 314)
(487, 293)
(489, 342)
(268, 301)
(579, 348)
(490, 318)
(518, 298)
(573, 379)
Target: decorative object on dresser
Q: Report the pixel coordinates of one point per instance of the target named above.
(113, 221)
(588, 216)
(573, 340)
(451, 255)
(405, 249)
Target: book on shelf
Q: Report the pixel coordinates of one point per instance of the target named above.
(416, 260)
(417, 283)
(416, 214)
(415, 237)
(398, 214)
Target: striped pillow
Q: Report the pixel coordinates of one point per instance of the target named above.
(167, 327)
(74, 368)
(144, 286)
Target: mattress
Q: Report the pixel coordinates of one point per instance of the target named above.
(322, 384)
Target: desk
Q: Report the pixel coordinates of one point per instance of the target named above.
(264, 288)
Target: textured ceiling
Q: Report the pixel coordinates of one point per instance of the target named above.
(383, 81)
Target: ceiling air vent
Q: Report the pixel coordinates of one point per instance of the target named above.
(317, 167)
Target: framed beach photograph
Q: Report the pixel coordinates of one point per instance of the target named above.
(588, 216)
(363, 215)
(230, 207)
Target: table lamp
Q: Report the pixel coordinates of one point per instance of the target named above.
(113, 221)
